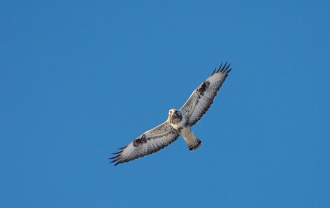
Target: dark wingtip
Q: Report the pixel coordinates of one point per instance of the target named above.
(227, 67)
(223, 68)
(117, 152)
(214, 71)
(114, 157)
(220, 67)
(115, 160)
(122, 148)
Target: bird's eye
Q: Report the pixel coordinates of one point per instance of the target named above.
(170, 111)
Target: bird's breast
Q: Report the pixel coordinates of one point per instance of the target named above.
(177, 122)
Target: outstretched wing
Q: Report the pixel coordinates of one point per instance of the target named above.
(202, 98)
(148, 143)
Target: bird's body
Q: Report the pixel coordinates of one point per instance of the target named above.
(179, 122)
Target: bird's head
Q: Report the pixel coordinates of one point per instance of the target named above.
(172, 112)
(174, 116)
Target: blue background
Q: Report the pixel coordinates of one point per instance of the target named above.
(80, 79)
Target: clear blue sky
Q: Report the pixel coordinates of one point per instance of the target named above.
(79, 79)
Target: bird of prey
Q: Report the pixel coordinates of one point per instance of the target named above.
(179, 122)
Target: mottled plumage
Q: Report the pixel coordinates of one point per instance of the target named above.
(179, 122)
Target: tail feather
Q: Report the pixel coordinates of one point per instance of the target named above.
(193, 142)
(194, 148)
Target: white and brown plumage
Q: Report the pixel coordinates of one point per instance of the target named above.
(179, 122)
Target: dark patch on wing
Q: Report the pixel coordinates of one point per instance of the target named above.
(139, 141)
(203, 87)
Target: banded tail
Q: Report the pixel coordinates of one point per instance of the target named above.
(192, 142)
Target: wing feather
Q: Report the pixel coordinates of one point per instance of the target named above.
(202, 98)
(148, 143)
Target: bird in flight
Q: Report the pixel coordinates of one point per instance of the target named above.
(179, 122)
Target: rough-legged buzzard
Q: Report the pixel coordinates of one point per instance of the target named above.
(179, 122)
